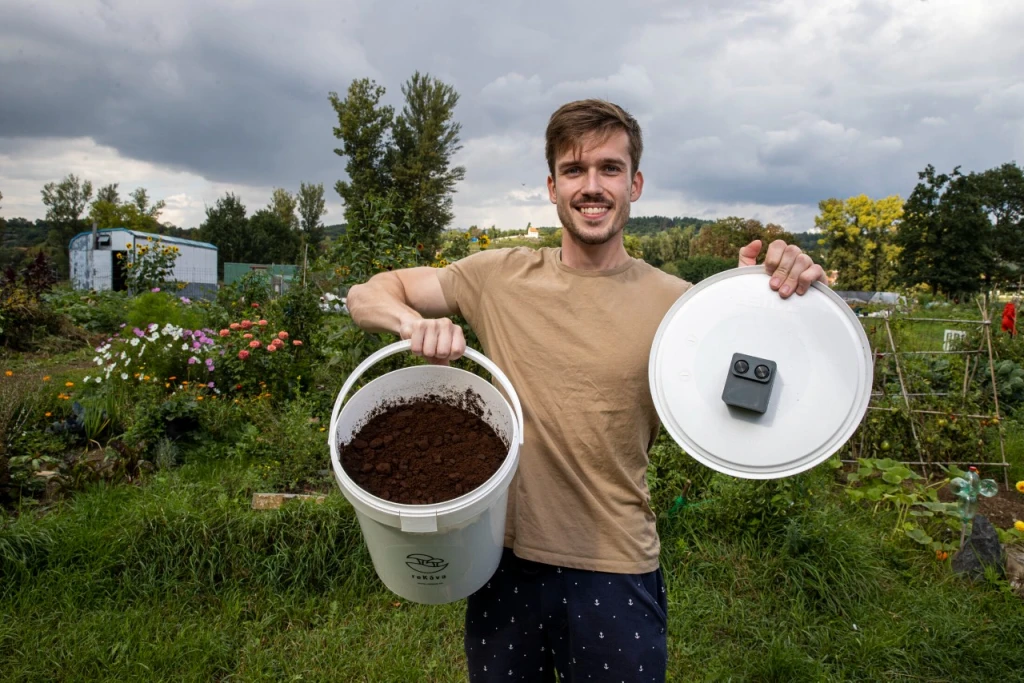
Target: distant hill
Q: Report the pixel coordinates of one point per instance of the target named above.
(335, 231)
(650, 225)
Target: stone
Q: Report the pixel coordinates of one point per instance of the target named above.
(981, 549)
(1015, 569)
(273, 501)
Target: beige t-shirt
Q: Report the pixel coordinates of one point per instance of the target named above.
(575, 345)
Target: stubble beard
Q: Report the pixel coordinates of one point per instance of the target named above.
(567, 215)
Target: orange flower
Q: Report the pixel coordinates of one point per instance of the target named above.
(255, 344)
(199, 398)
(48, 415)
(941, 555)
(296, 342)
(9, 373)
(234, 326)
(225, 333)
(282, 335)
(263, 323)
(247, 335)
(69, 384)
(46, 378)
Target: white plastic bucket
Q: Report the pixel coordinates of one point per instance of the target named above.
(440, 552)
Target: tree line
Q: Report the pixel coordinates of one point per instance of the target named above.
(955, 235)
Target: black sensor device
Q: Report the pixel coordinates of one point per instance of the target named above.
(749, 382)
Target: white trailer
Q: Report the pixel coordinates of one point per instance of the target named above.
(95, 266)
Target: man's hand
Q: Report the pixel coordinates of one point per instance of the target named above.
(438, 340)
(791, 269)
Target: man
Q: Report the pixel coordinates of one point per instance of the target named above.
(579, 589)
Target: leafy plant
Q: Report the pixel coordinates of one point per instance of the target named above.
(889, 484)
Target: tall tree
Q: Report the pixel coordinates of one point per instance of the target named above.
(108, 211)
(270, 239)
(312, 207)
(109, 193)
(364, 128)
(426, 138)
(283, 203)
(65, 201)
(1001, 191)
(140, 200)
(227, 228)
(859, 236)
(943, 234)
(405, 161)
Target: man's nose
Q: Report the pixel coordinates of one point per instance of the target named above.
(593, 186)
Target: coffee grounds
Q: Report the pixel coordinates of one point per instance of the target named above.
(423, 452)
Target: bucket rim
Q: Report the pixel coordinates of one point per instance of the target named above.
(499, 478)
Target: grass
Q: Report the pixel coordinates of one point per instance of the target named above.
(180, 580)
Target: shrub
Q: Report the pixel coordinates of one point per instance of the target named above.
(101, 312)
(163, 308)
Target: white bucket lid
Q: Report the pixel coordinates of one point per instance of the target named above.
(821, 389)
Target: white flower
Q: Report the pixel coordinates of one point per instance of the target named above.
(86, 378)
(124, 375)
(184, 347)
(142, 350)
(153, 337)
(134, 341)
(152, 326)
(97, 379)
(123, 355)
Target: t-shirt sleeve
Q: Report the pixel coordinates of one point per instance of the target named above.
(464, 281)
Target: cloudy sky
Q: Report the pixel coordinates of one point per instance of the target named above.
(756, 108)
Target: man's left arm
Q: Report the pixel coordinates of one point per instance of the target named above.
(791, 269)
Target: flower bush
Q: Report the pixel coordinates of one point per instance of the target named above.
(175, 354)
(149, 265)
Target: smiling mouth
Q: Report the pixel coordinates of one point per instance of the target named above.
(593, 212)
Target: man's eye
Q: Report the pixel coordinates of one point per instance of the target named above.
(612, 169)
(572, 171)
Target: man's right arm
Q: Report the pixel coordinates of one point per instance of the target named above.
(411, 304)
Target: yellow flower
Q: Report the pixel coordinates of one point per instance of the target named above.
(199, 398)
(1018, 525)
(51, 414)
(46, 378)
(167, 384)
(1020, 486)
(69, 384)
(146, 378)
(9, 373)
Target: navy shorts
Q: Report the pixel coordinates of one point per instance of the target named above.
(532, 620)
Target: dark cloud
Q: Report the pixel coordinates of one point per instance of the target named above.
(752, 102)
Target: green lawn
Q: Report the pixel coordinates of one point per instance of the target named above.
(180, 580)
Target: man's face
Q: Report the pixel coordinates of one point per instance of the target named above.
(593, 191)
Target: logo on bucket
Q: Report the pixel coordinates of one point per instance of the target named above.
(425, 564)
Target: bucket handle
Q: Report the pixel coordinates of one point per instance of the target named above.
(398, 347)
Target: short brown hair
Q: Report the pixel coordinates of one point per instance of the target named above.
(575, 120)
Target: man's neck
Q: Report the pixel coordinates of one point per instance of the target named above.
(579, 256)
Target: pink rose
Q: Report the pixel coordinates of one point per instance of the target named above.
(243, 354)
(246, 336)
(272, 348)
(246, 324)
(282, 335)
(297, 342)
(235, 326)
(255, 344)
(225, 333)
(263, 323)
